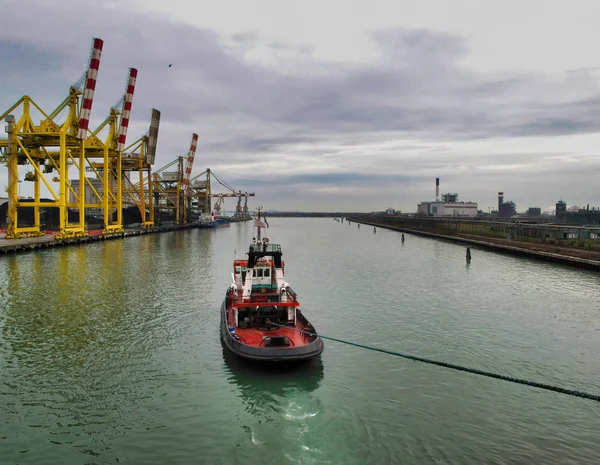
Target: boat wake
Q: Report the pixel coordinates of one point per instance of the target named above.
(295, 413)
(255, 440)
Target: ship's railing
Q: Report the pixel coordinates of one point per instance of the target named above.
(261, 248)
(288, 295)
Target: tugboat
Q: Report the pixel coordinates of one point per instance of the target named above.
(261, 318)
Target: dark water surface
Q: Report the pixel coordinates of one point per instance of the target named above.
(109, 353)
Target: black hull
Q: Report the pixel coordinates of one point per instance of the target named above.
(288, 355)
(233, 219)
(213, 225)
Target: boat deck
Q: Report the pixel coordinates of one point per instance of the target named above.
(254, 336)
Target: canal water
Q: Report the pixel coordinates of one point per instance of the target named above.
(110, 353)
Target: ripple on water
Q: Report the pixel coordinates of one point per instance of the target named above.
(112, 352)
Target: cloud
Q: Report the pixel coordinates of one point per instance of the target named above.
(271, 112)
(347, 180)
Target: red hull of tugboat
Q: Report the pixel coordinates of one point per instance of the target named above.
(249, 342)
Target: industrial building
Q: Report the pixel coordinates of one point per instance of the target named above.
(505, 209)
(91, 184)
(582, 216)
(447, 206)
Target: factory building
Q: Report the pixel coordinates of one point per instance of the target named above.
(505, 209)
(98, 184)
(582, 216)
(90, 197)
(448, 205)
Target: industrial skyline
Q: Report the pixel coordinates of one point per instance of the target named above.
(355, 120)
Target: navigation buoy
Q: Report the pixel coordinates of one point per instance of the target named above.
(403, 238)
(468, 255)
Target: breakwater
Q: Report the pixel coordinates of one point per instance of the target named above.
(489, 235)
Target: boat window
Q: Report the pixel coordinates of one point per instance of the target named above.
(259, 272)
(254, 272)
(238, 269)
(266, 273)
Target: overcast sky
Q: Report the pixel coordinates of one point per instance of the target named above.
(338, 104)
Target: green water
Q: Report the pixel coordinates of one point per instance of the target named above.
(109, 353)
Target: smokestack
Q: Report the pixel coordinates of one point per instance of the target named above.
(437, 188)
(500, 200)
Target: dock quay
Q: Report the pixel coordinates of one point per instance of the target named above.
(8, 246)
(536, 250)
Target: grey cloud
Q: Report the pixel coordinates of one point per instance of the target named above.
(412, 51)
(326, 179)
(248, 112)
(417, 87)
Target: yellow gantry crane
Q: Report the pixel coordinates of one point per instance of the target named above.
(200, 195)
(137, 158)
(170, 188)
(62, 144)
(140, 157)
(46, 148)
(52, 150)
(109, 173)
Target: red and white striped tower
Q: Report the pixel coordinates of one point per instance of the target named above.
(127, 102)
(190, 163)
(90, 86)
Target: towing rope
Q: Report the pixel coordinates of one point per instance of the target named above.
(452, 366)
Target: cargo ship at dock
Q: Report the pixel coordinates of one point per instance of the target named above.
(261, 318)
(214, 223)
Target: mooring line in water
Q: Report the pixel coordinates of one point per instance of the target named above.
(548, 387)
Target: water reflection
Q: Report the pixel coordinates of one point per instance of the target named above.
(284, 411)
(79, 331)
(262, 387)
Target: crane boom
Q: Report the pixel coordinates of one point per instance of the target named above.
(153, 136)
(190, 162)
(251, 194)
(90, 86)
(125, 113)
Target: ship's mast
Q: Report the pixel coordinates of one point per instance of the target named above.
(258, 239)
